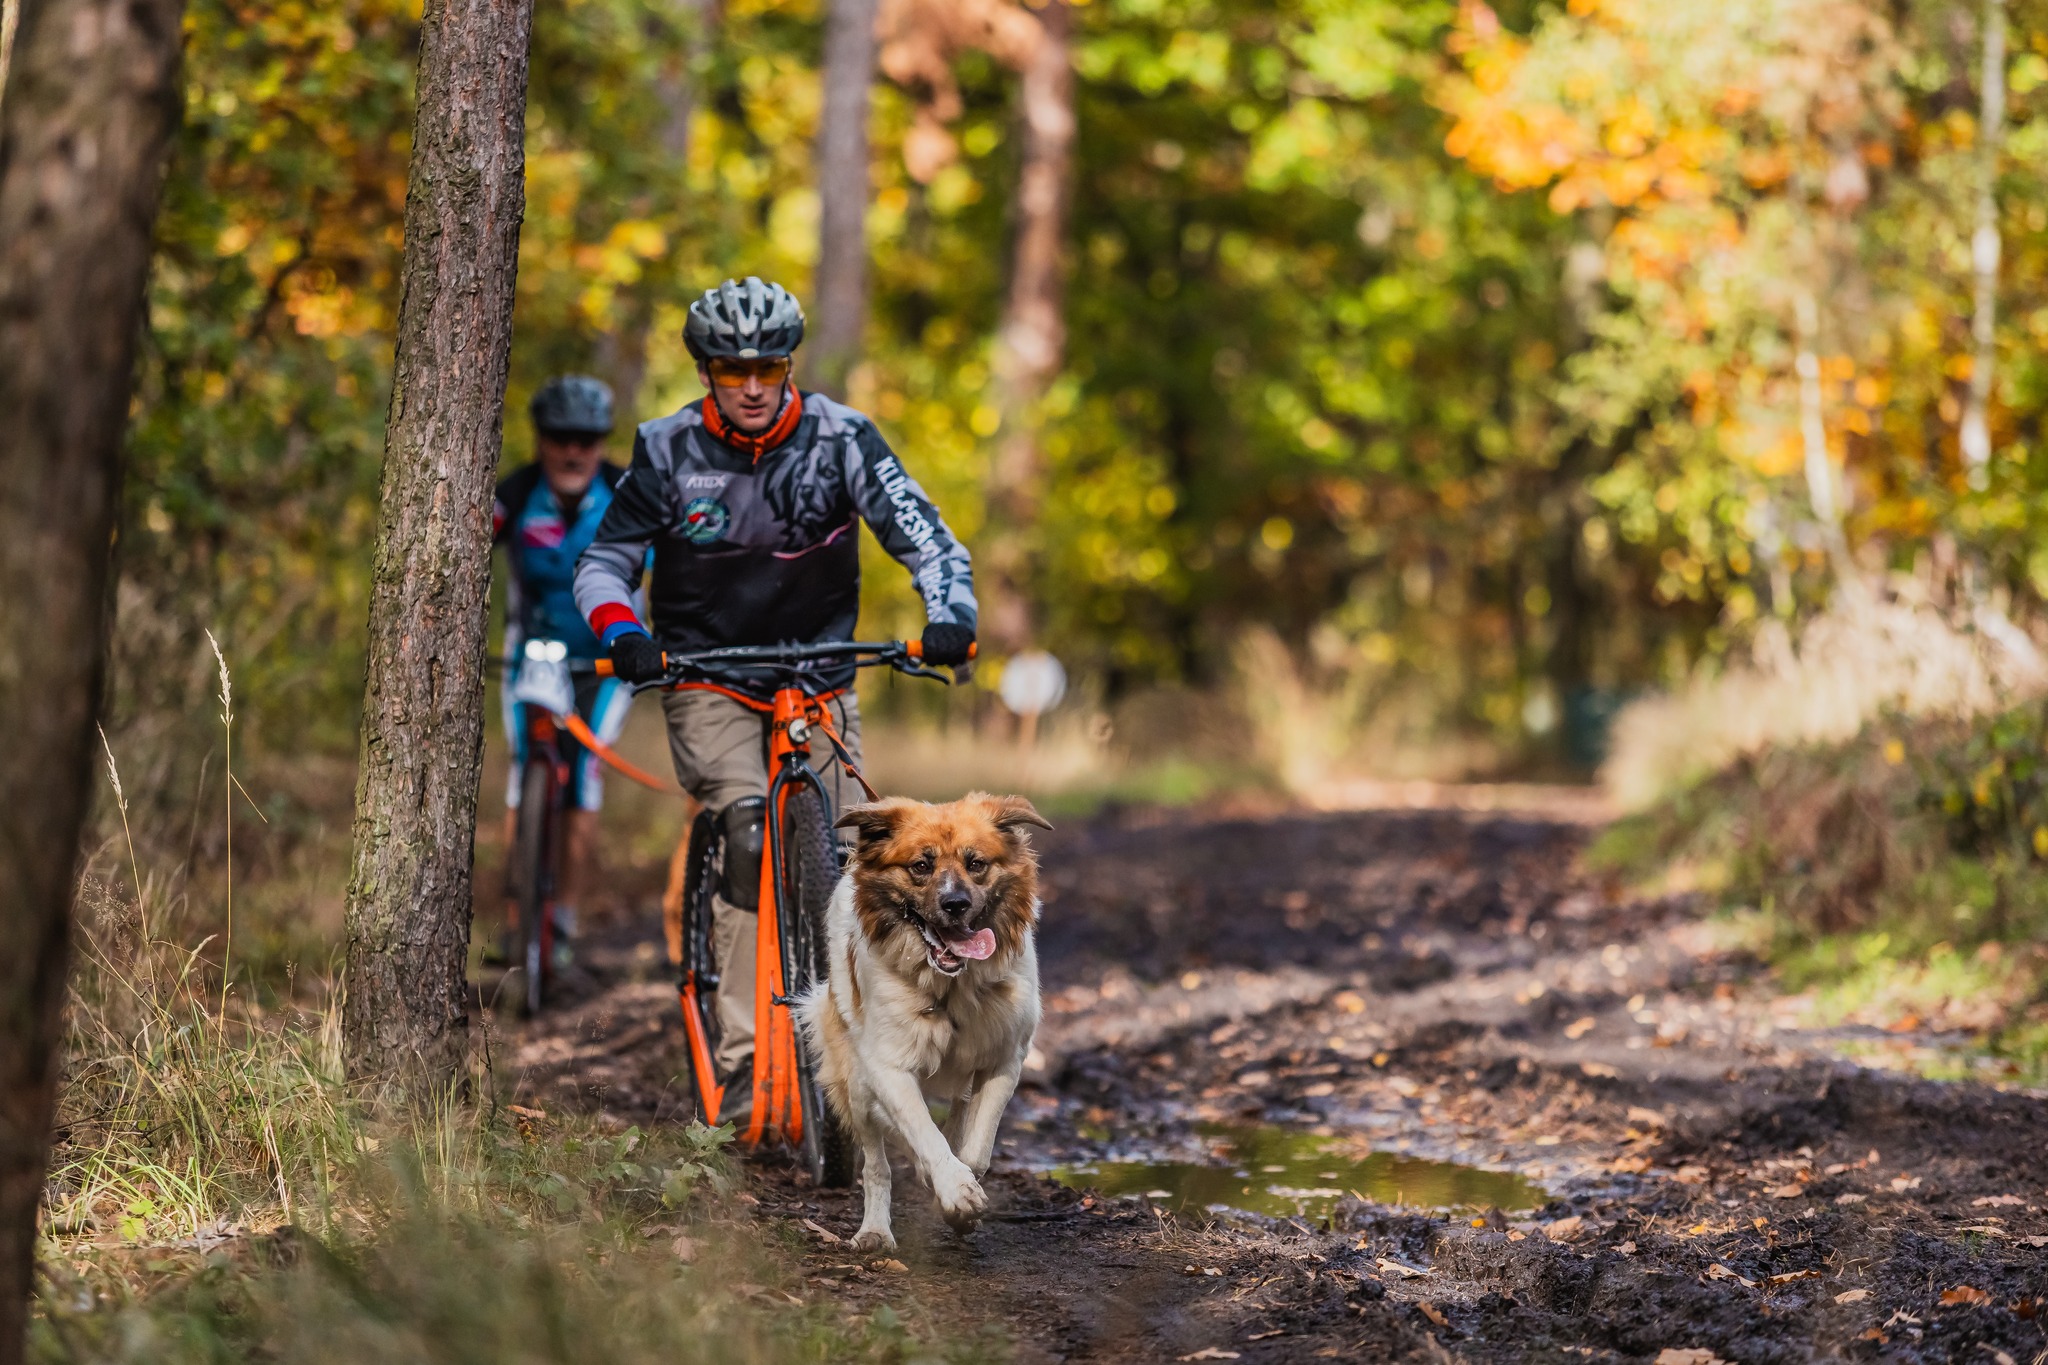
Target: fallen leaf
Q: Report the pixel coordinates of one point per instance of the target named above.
(1998, 1201)
(526, 1113)
(892, 1265)
(1852, 1296)
(1691, 1175)
(2035, 1241)
(1645, 1116)
(1874, 1334)
(1351, 1002)
(1599, 1070)
(1792, 1191)
(1791, 1275)
(1998, 1356)
(1209, 1353)
(1629, 1165)
(1267, 1336)
(825, 1234)
(1627, 1248)
(1717, 1271)
(1902, 1183)
(1564, 1229)
(685, 1248)
(1850, 1198)
(1688, 1355)
(1963, 1294)
(1579, 1028)
(1412, 1272)
(1433, 1313)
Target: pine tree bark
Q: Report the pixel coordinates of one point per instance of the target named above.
(90, 104)
(405, 1016)
(1032, 337)
(839, 306)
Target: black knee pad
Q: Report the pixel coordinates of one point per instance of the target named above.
(742, 831)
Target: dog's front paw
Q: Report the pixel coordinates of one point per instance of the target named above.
(961, 1199)
(873, 1239)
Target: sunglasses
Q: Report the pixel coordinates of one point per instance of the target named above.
(734, 374)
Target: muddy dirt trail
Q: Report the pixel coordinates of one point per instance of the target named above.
(1408, 1085)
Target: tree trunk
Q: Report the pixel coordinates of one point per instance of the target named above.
(839, 306)
(1033, 334)
(91, 102)
(1822, 490)
(10, 19)
(1986, 248)
(405, 1018)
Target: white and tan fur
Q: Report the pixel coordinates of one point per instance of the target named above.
(903, 1019)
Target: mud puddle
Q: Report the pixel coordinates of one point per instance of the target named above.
(1281, 1172)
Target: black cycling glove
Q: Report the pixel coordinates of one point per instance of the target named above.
(947, 645)
(636, 659)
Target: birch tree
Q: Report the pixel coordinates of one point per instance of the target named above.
(405, 1017)
(1986, 248)
(85, 118)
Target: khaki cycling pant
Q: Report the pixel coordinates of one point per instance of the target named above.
(720, 749)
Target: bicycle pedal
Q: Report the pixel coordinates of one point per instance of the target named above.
(783, 999)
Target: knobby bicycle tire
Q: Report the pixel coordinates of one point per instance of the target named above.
(699, 959)
(810, 869)
(530, 870)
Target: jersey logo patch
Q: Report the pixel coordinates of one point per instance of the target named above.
(705, 520)
(543, 533)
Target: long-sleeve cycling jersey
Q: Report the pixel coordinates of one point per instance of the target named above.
(758, 550)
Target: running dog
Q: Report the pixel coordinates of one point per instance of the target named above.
(932, 992)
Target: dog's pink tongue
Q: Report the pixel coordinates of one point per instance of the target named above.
(977, 945)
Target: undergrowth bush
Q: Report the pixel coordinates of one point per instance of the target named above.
(1900, 876)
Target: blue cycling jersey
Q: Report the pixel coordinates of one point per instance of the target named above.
(542, 544)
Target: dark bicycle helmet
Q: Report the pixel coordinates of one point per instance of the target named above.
(573, 405)
(744, 320)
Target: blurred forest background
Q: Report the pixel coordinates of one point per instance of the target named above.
(1438, 381)
(1474, 368)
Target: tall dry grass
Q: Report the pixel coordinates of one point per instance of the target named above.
(217, 1192)
(1862, 659)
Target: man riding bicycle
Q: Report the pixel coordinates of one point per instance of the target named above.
(545, 515)
(750, 500)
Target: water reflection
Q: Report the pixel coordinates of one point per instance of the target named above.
(1279, 1171)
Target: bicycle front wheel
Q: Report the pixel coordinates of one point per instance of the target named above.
(698, 981)
(810, 869)
(532, 874)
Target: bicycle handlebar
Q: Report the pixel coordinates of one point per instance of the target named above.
(904, 655)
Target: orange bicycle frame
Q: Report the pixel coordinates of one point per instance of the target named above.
(777, 1111)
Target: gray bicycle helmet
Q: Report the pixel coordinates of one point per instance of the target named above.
(744, 320)
(573, 405)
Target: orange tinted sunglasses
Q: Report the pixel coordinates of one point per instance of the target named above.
(734, 374)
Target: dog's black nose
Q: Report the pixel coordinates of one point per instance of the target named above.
(955, 902)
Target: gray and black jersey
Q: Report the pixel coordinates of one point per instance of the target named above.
(761, 551)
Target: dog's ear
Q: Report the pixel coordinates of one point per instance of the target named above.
(877, 820)
(1011, 813)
